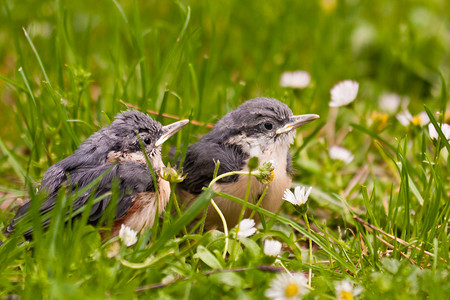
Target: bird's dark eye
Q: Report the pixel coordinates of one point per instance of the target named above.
(147, 140)
(268, 126)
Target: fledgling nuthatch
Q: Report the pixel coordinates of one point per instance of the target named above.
(116, 148)
(261, 127)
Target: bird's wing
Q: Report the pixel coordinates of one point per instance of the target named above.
(199, 164)
(57, 174)
(132, 178)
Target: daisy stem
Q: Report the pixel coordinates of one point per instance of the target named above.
(175, 202)
(247, 195)
(177, 207)
(259, 202)
(305, 217)
(331, 125)
(225, 226)
(284, 267)
(228, 174)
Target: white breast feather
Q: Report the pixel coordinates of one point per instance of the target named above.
(273, 198)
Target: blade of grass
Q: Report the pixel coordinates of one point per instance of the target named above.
(193, 211)
(442, 136)
(13, 84)
(16, 166)
(373, 135)
(37, 56)
(168, 60)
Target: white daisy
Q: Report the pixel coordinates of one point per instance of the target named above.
(404, 117)
(285, 286)
(346, 291)
(272, 248)
(246, 228)
(127, 235)
(340, 153)
(423, 118)
(295, 80)
(343, 93)
(389, 102)
(434, 134)
(299, 197)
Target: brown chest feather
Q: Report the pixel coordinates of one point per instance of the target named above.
(144, 209)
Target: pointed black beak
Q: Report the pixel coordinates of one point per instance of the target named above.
(170, 130)
(297, 121)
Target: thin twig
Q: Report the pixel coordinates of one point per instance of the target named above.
(305, 216)
(359, 178)
(392, 247)
(326, 262)
(368, 225)
(48, 154)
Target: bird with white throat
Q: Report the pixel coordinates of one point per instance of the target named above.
(261, 127)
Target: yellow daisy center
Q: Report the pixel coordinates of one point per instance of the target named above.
(346, 295)
(291, 290)
(379, 120)
(417, 121)
(272, 176)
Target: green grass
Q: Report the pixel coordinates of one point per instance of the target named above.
(381, 221)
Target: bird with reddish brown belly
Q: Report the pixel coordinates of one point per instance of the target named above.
(116, 153)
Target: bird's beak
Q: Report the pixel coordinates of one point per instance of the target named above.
(170, 130)
(297, 121)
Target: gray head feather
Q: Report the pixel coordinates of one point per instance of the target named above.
(254, 109)
(121, 134)
(249, 119)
